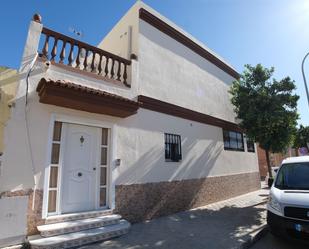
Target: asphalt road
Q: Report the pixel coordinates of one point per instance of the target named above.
(271, 242)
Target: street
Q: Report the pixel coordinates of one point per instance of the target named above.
(225, 224)
(271, 242)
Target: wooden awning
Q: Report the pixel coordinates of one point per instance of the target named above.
(78, 97)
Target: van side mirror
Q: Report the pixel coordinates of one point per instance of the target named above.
(270, 182)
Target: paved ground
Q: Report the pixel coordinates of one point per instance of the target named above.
(271, 242)
(221, 225)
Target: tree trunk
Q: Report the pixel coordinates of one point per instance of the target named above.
(296, 151)
(268, 164)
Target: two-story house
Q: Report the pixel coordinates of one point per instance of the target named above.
(139, 127)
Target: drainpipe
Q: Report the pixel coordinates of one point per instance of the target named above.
(29, 57)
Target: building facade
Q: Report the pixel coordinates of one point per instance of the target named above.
(141, 126)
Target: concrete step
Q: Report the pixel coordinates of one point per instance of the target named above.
(82, 237)
(77, 216)
(77, 225)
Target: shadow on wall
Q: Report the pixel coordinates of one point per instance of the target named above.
(163, 189)
(207, 159)
(199, 229)
(138, 202)
(154, 158)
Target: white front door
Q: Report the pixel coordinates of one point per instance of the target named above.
(79, 170)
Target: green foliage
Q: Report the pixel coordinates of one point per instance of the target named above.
(267, 108)
(301, 137)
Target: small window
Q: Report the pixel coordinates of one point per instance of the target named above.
(250, 145)
(233, 140)
(53, 169)
(172, 147)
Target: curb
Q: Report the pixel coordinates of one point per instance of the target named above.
(255, 237)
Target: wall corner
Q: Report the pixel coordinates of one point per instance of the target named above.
(31, 45)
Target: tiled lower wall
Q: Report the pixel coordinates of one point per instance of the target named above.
(34, 213)
(138, 202)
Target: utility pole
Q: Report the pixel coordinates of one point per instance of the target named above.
(304, 76)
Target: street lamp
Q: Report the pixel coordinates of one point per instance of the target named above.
(303, 72)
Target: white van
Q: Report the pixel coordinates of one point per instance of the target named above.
(288, 205)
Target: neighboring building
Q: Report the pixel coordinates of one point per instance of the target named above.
(153, 136)
(8, 83)
(275, 159)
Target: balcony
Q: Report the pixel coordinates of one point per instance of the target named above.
(80, 57)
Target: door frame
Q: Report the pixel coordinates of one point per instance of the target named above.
(112, 155)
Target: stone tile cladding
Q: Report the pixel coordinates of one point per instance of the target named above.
(138, 202)
(34, 215)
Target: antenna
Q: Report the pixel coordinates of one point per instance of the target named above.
(76, 32)
(80, 34)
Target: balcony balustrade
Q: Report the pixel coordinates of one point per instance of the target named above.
(69, 52)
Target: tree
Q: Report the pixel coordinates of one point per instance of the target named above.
(302, 137)
(266, 108)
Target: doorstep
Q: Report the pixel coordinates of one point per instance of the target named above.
(77, 216)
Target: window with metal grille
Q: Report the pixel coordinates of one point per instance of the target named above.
(250, 145)
(172, 147)
(233, 140)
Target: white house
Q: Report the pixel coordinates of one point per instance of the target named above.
(140, 126)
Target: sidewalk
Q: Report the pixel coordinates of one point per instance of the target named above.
(228, 224)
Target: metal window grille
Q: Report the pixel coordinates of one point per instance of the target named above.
(172, 147)
(233, 140)
(250, 146)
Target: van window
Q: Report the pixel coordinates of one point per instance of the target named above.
(293, 176)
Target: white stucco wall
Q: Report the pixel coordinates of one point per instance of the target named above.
(122, 39)
(140, 143)
(27, 132)
(165, 65)
(171, 72)
(57, 73)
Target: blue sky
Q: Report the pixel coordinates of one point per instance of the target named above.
(274, 33)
